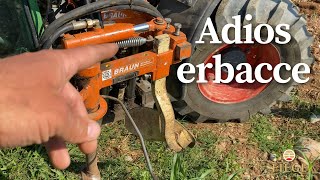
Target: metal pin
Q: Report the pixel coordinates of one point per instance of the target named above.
(178, 28)
(168, 20)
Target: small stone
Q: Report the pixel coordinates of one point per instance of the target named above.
(273, 157)
(246, 176)
(242, 140)
(314, 118)
(128, 158)
(222, 146)
(308, 148)
(233, 139)
(280, 105)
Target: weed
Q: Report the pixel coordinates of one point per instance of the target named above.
(310, 163)
(178, 171)
(265, 135)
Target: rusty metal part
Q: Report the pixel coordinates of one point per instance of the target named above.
(182, 51)
(144, 94)
(148, 121)
(177, 136)
(155, 128)
(92, 171)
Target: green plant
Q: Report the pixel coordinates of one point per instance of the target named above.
(268, 137)
(310, 163)
(178, 170)
(227, 176)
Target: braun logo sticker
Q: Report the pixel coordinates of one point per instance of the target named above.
(118, 71)
(125, 69)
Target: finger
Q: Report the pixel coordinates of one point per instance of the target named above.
(74, 100)
(88, 147)
(78, 130)
(58, 153)
(81, 58)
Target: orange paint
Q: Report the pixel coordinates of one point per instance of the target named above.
(95, 78)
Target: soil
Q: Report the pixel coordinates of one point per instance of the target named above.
(311, 10)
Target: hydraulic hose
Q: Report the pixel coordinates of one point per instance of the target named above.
(31, 24)
(49, 7)
(138, 5)
(64, 29)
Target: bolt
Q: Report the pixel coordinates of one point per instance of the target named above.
(158, 21)
(177, 26)
(168, 20)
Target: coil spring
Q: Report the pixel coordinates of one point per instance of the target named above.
(132, 42)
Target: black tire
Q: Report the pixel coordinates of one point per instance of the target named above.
(272, 12)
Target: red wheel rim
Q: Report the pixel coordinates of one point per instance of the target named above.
(235, 92)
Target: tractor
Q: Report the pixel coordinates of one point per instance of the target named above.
(155, 37)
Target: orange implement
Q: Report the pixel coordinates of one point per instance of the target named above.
(155, 62)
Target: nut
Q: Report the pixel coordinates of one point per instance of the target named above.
(159, 21)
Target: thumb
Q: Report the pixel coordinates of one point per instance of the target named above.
(79, 130)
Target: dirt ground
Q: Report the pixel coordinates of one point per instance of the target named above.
(235, 136)
(311, 9)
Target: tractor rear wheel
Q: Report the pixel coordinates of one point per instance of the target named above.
(237, 102)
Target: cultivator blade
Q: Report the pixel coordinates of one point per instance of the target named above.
(149, 123)
(160, 124)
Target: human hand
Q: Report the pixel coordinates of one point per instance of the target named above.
(39, 105)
